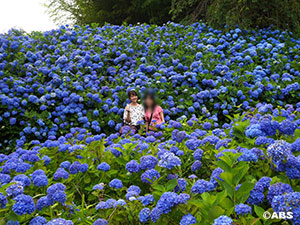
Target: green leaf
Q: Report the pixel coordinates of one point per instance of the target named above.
(239, 173)
(171, 184)
(87, 179)
(223, 165)
(227, 177)
(243, 192)
(259, 211)
(228, 188)
(197, 202)
(159, 187)
(220, 197)
(226, 204)
(215, 212)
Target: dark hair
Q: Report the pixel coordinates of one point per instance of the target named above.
(152, 97)
(132, 93)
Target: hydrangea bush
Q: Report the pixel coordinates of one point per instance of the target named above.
(228, 152)
(81, 178)
(78, 77)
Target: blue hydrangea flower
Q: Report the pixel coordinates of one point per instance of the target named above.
(215, 176)
(24, 204)
(58, 196)
(254, 130)
(182, 198)
(192, 144)
(39, 220)
(169, 160)
(133, 166)
(279, 151)
(181, 185)
(98, 187)
(15, 189)
(61, 173)
(149, 176)
(66, 165)
(100, 222)
(196, 165)
(288, 202)
(202, 186)
(4, 179)
(242, 209)
(120, 202)
(84, 167)
(102, 205)
(188, 219)
(23, 179)
(3, 200)
(155, 214)
(40, 181)
(59, 221)
(223, 220)
(166, 202)
(12, 222)
(144, 215)
(278, 189)
(147, 199)
(103, 166)
(256, 197)
(287, 127)
(43, 202)
(116, 183)
(148, 162)
(262, 184)
(75, 167)
(134, 188)
(56, 193)
(198, 154)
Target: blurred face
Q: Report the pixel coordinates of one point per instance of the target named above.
(149, 102)
(133, 98)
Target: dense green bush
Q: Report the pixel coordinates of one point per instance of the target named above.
(200, 171)
(284, 14)
(115, 11)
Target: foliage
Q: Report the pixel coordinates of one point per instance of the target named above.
(189, 11)
(79, 77)
(230, 175)
(84, 12)
(245, 13)
(282, 14)
(228, 152)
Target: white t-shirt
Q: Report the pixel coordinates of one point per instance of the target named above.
(137, 113)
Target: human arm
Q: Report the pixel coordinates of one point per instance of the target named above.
(127, 114)
(162, 116)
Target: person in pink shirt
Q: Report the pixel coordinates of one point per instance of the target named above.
(154, 114)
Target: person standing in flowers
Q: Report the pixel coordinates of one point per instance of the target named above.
(134, 112)
(154, 113)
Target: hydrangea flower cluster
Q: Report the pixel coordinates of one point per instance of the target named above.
(279, 151)
(63, 94)
(169, 160)
(223, 220)
(242, 209)
(288, 202)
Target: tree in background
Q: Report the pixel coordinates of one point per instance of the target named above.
(284, 14)
(189, 11)
(83, 12)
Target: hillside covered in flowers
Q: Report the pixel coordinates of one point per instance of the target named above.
(228, 152)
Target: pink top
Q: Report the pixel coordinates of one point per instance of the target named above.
(156, 118)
